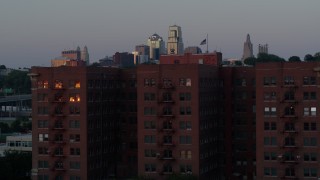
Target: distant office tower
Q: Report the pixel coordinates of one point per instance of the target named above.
(69, 58)
(175, 43)
(141, 54)
(85, 55)
(247, 48)
(193, 50)
(263, 48)
(157, 46)
(123, 59)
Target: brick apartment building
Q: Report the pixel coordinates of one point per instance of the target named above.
(177, 120)
(287, 120)
(76, 123)
(187, 115)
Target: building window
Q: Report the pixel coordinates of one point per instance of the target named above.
(310, 126)
(58, 165)
(270, 126)
(58, 151)
(309, 96)
(43, 124)
(43, 137)
(150, 167)
(43, 150)
(149, 82)
(289, 141)
(269, 81)
(74, 84)
(270, 96)
(270, 156)
(167, 125)
(309, 111)
(185, 169)
(75, 151)
(309, 80)
(310, 157)
(167, 168)
(58, 137)
(185, 139)
(43, 110)
(42, 97)
(74, 137)
(75, 124)
(58, 84)
(186, 154)
(43, 84)
(149, 125)
(289, 126)
(167, 139)
(167, 111)
(185, 96)
(270, 171)
(74, 110)
(270, 111)
(167, 153)
(74, 165)
(185, 82)
(149, 111)
(270, 141)
(310, 141)
(75, 178)
(43, 177)
(288, 80)
(289, 111)
(290, 172)
(74, 97)
(185, 110)
(166, 97)
(149, 153)
(149, 96)
(310, 172)
(185, 125)
(43, 164)
(150, 139)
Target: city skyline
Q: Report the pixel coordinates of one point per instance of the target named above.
(32, 33)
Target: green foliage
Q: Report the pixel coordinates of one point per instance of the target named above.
(5, 128)
(3, 67)
(19, 81)
(316, 56)
(21, 124)
(250, 61)
(294, 59)
(308, 57)
(15, 165)
(95, 64)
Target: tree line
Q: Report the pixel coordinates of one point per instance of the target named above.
(17, 80)
(263, 57)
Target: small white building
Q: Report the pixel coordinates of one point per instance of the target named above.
(17, 142)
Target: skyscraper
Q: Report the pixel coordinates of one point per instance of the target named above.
(85, 55)
(247, 48)
(157, 46)
(175, 43)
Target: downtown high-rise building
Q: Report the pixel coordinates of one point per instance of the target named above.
(247, 48)
(175, 43)
(157, 46)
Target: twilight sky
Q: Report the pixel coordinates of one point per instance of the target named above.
(32, 32)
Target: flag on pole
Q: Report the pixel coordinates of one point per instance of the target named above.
(203, 42)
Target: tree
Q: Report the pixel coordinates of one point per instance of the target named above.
(294, 59)
(308, 57)
(250, 61)
(317, 56)
(19, 81)
(3, 67)
(15, 165)
(95, 64)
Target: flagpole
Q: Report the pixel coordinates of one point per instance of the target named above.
(207, 43)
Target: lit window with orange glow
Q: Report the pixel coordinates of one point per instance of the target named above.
(74, 98)
(58, 84)
(77, 84)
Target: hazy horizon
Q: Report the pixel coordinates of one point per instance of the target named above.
(34, 32)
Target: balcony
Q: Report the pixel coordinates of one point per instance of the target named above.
(168, 101)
